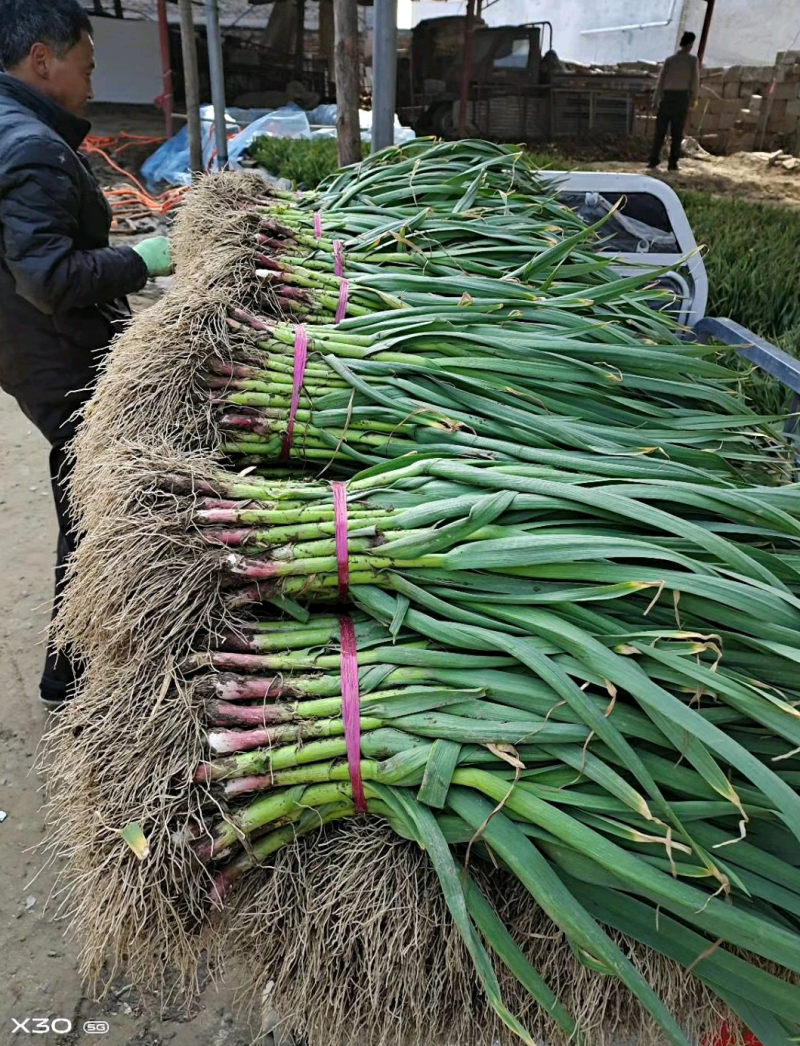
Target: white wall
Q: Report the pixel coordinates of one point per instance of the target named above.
(128, 61)
(570, 17)
(744, 32)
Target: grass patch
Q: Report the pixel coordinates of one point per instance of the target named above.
(753, 264)
(304, 163)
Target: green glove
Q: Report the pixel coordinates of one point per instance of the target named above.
(156, 253)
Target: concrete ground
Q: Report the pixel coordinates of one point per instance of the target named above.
(38, 964)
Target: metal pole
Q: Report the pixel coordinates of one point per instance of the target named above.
(214, 38)
(191, 86)
(384, 73)
(167, 101)
(466, 69)
(347, 68)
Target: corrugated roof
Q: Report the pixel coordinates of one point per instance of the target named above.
(242, 12)
(238, 12)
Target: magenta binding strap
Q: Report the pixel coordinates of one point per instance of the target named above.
(338, 258)
(300, 359)
(351, 697)
(341, 308)
(340, 530)
(318, 225)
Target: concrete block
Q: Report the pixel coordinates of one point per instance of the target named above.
(731, 89)
(710, 106)
(733, 72)
(741, 140)
(785, 91)
(776, 111)
(793, 108)
(787, 73)
(710, 123)
(708, 92)
(712, 142)
(727, 121)
(747, 118)
(731, 105)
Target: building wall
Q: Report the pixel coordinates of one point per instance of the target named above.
(743, 32)
(128, 61)
(746, 33)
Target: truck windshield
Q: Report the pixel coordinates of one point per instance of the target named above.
(514, 54)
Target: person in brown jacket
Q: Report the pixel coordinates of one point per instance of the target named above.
(676, 93)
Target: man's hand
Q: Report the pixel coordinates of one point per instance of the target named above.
(156, 253)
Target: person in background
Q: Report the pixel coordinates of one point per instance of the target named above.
(62, 287)
(676, 93)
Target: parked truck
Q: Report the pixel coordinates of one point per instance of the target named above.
(518, 89)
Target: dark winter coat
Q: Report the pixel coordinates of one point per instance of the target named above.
(62, 288)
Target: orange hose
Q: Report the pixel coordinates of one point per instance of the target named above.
(124, 196)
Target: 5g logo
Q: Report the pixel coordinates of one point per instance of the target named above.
(42, 1026)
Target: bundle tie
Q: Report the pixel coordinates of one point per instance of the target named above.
(351, 697)
(344, 292)
(351, 710)
(318, 225)
(340, 530)
(338, 258)
(298, 374)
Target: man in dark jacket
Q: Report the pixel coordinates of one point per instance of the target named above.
(676, 93)
(62, 287)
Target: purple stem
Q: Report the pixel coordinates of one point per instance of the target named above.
(240, 785)
(226, 742)
(237, 536)
(230, 370)
(224, 713)
(253, 688)
(245, 421)
(256, 322)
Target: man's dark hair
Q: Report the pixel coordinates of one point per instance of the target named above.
(686, 40)
(23, 23)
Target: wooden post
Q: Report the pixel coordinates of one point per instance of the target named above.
(118, 12)
(347, 67)
(191, 86)
(167, 102)
(466, 71)
(300, 38)
(701, 50)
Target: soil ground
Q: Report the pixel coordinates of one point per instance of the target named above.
(38, 963)
(746, 176)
